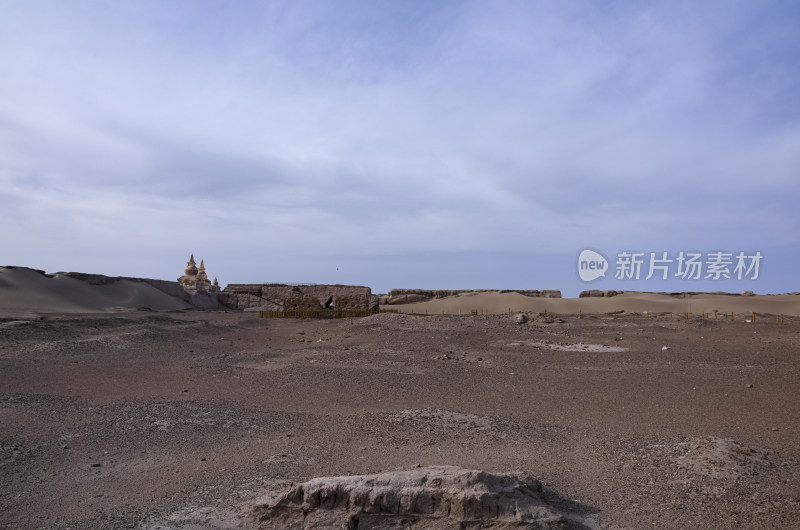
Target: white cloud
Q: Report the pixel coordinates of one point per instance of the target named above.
(321, 128)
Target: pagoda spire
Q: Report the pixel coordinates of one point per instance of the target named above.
(191, 269)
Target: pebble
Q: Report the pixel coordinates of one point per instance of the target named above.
(750, 385)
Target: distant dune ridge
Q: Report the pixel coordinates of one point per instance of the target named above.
(26, 291)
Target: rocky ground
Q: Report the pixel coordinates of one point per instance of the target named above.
(165, 420)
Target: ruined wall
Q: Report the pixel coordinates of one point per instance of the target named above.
(410, 296)
(278, 297)
(683, 294)
(598, 294)
(244, 301)
(342, 297)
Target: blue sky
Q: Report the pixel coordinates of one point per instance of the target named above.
(399, 144)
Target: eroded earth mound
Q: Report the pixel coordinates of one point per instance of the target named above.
(430, 497)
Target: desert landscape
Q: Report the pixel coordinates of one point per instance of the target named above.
(448, 265)
(126, 407)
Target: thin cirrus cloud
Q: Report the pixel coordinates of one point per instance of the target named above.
(393, 128)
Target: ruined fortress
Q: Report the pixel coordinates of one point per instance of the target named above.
(277, 297)
(312, 297)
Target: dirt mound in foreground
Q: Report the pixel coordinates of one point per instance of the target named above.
(431, 497)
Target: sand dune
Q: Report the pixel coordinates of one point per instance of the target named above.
(497, 302)
(26, 291)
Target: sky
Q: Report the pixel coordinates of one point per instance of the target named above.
(400, 144)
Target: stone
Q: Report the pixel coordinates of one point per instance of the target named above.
(521, 318)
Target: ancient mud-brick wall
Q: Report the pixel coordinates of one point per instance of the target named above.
(341, 297)
(410, 296)
(278, 297)
(607, 294)
(297, 300)
(548, 293)
(236, 300)
(444, 293)
(594, 293)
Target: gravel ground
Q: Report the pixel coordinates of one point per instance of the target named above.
(149, 420)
